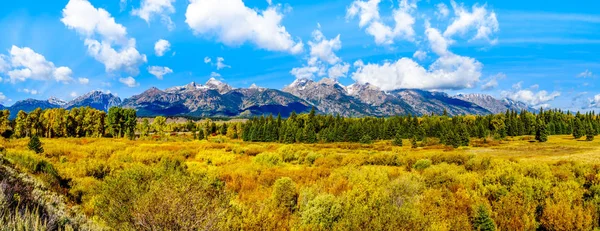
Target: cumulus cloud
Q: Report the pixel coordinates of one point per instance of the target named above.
(593, 102)
(161, 8)
(368, 14)
(101, 33)
(585, 74)
(306, 72)
(221, 63)
(4, 65)
(442, 10)
(30, 91)
(73, 94)
(83, 81)
(338, 70)
(25, 64)
(159, 72)
(231, 22)
(529, 96)
(481, 20)
(129, 81)
(161, 46)
(449, 71)
(322, 49)
(420, 55)
(127, 59)
(215, 75)
(492, 82)
(322, 59)
(207, 59)
(3, 98)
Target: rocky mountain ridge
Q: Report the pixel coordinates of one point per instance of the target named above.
(216, 98)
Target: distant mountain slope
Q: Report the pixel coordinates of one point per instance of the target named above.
(215, 98)
(30, 105)
(329, 97)
(427, 102)
(494, 105)
(95, 99)
(362, 100)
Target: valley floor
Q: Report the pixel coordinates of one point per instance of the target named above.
(178, 183)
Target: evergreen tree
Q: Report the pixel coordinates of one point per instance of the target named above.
(541, 133)
(201, 134)
(413, 142)
(35, 144)
(589, 132)
(397, 140)
(366, 139)
(578, 129)
(482, 220)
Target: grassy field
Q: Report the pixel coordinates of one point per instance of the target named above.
(517, 184)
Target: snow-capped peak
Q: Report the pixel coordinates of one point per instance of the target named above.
(56, 101)
(215, 84)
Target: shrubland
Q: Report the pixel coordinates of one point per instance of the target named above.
(219, 183)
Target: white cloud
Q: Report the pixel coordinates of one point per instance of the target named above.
(339, 70)
(83, 17)
(492, 82)
(232, 23)
(448, 72)
(63, 74)
(83, 81)
(2, 98)
(593, 102)
(127, 59)
(215, 75)
(442, 10)
(586, 74)
(102, 33)
(322, 55)
(439, 44)
(207, 59)
(129, 81)
(30, 91)
(161, 8)
(368, 14)
(420, 55)
(159, 72)
(4, 65)
(306, 72)
(528, 96)
(161, 46)
(27, 64)
(479, 19)
(221, 64)
(73, 94)
(322, 49)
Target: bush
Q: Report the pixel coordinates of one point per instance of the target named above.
(321, 212)
(284, 194)
(267, 158)
(311, 157)
(422, 164)
(289, 153)
(35, 145)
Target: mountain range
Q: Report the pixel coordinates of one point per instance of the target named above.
(328, 96)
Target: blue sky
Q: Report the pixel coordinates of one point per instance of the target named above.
(545, 53)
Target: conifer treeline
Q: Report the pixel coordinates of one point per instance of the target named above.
(455, 131)
(77, 122)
